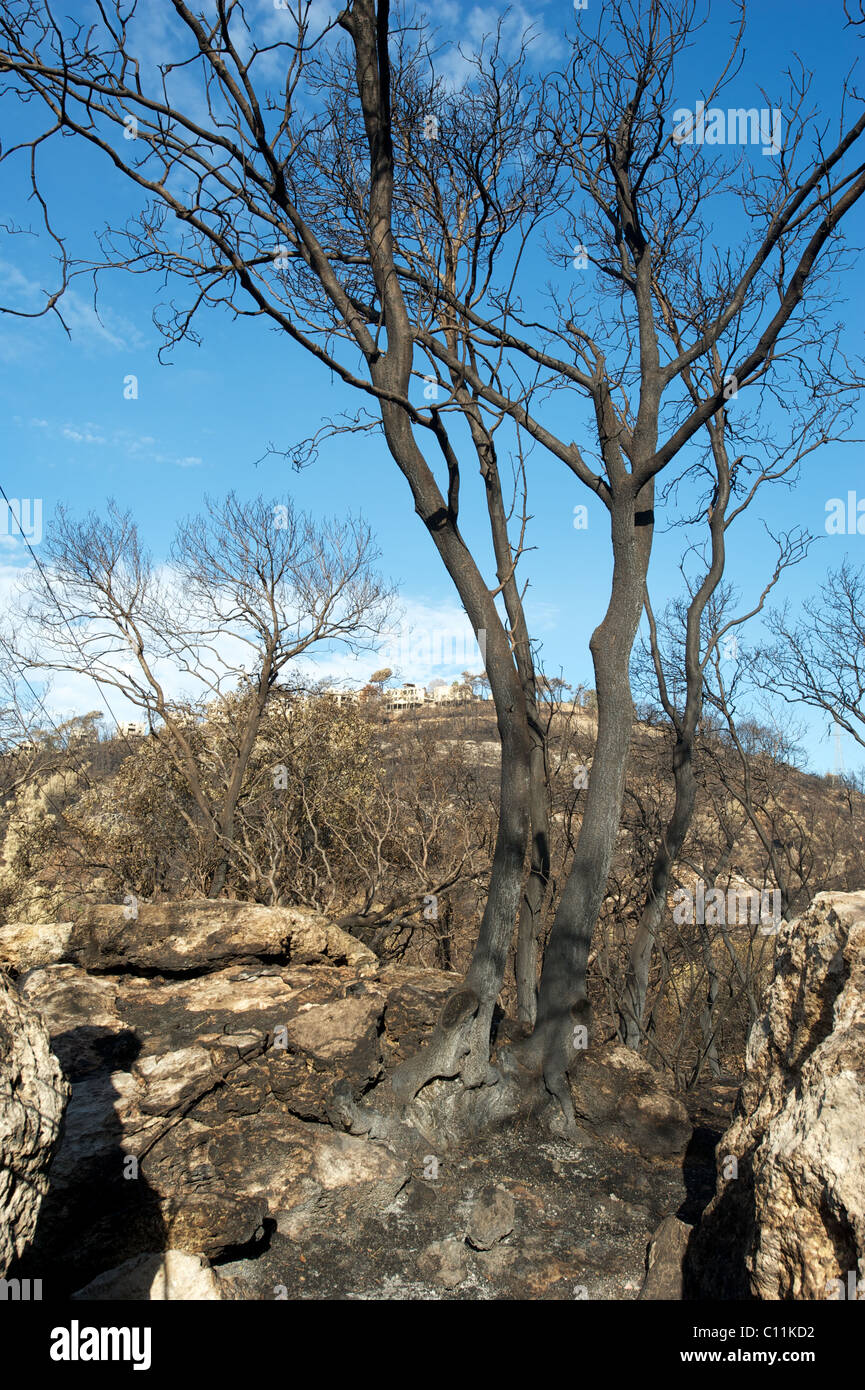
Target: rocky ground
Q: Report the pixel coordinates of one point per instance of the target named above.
(579, 1226)
(202, 1042)
(201, 1152)
(576, 1224)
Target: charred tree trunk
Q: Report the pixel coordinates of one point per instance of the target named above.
(462, 1045)
(563, 995)
(535, 891)
(637, 979)
(444, 938)
(225, 823)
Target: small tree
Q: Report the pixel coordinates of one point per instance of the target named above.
(250, 587)
(380, 679)
(699, 630)
(818, 657)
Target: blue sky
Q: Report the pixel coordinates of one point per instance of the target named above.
(200, 424)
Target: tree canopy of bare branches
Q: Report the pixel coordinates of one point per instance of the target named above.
(249, 588)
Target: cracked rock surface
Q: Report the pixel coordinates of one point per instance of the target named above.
(197, 1126)
(32, 1098)
(788, 1217)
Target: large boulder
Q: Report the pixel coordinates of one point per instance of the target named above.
(197, 1120)
(27, 945)
(620, 1099)
(788, 1218)
(33, 1094)
(181, 937)
(199, 1159)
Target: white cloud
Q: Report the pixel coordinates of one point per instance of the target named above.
(89, 326)
(142, 447)
(472, 26)
(84, 436)
(430, 639)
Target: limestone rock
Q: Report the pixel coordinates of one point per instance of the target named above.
(619, 1097)
(193, 935)
(172, 1078)
(87, 1031)
(666, 1253)
(170, 1275)
(792, 1219)
(491, 1218)
(414, 1002)
(33, 1094)
(444, 1262)
(203, 1043)
(26, 946)
(187, 1125)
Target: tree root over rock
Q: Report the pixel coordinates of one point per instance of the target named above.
(427, 1099)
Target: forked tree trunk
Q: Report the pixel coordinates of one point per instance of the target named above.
(534, 892)
(633, 1003)
(462, 1043)
(563, 996)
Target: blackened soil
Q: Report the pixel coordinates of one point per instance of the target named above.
(583, 1220)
